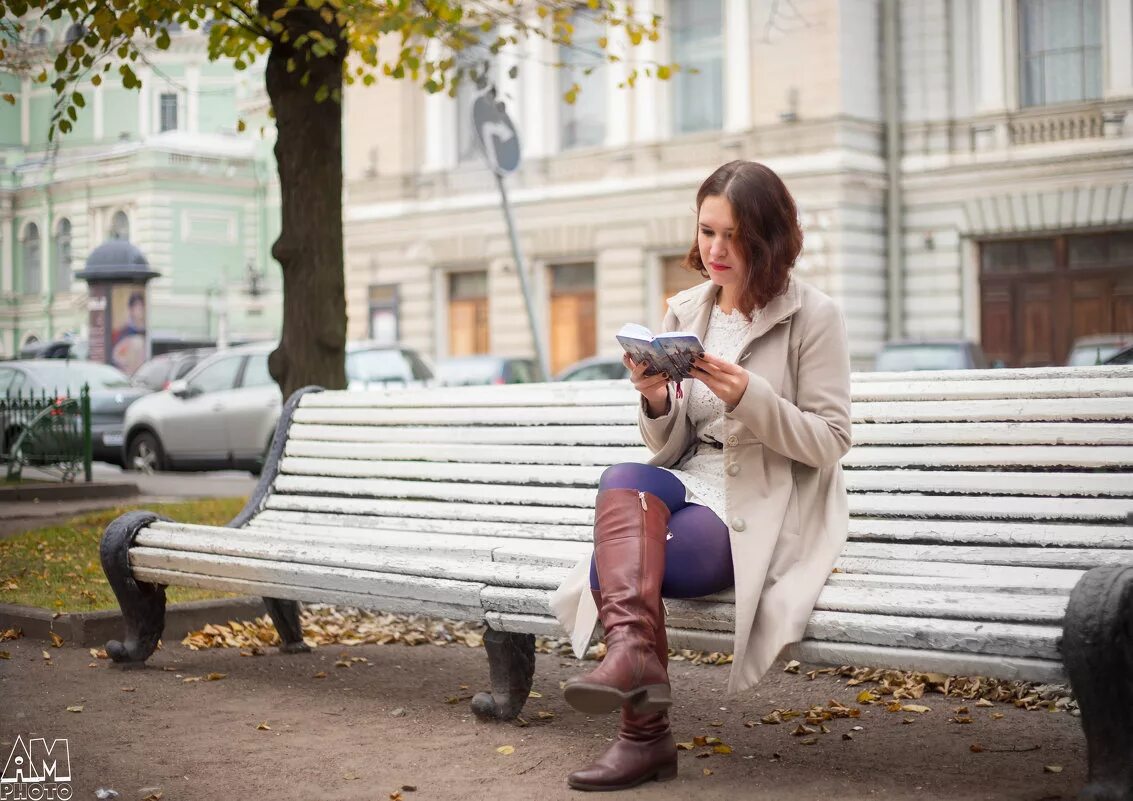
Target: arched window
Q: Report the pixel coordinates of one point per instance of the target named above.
(40, 37)
(33, 282)
(74, 33)
(120, 226)
(63, 275)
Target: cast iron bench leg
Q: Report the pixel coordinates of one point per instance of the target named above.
(142, 603)
(1097, 648)
(285, 616)
(511, 670)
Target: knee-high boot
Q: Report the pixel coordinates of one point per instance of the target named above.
(629, 551)
(644, 750)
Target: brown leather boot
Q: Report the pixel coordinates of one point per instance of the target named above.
(629, 550)
(644, 750)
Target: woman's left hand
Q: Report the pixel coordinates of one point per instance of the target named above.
(727, 381)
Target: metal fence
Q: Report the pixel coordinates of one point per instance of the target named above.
(47, 431)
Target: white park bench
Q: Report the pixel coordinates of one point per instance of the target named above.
(991, 529)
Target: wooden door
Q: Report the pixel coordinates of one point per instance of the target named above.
(467, 326)
(573, 321)
(1038, 295)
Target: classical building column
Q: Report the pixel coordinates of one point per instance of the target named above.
(1117, 30)
(737, 72)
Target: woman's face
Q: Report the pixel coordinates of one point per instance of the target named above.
(719, 248)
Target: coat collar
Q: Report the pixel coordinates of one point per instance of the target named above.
(693, 309)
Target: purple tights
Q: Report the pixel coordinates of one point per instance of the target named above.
(698, 554)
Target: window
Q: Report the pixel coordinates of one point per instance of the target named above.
(256, 372)
(582, 124)
(33, 273)
(383, 314)
(698, 43)
(216, 377)
(63, 257)
(120, 226)
(168, 112)
(467, 313)
(1060, 51)
(480, 65)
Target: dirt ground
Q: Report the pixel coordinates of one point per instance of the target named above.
(365, 731)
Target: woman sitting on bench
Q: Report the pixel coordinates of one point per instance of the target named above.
(754, 439)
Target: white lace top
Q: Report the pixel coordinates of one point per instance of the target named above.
(702, 470)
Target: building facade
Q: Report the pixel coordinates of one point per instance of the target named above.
(1001, 212)
(163, 167)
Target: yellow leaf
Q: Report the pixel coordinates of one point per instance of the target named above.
(215, 676)
(918, 708)
(712, 741)
(47, 656)
(866, 697)
(322, 674)
(722, 749)
(241, 126)
(5, 655)
(685, 746)
(534, 694)
(506, 750)
(263, 727)
(74, 709)
(541, 715)
(1052, 769)
(699, 741)
(128, 689)
(707, 772)
(190, 679)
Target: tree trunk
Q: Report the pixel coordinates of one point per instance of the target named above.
(308, 152)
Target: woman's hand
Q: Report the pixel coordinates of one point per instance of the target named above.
(725, 380)
(654, 388)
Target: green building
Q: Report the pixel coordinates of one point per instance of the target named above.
(164, 167)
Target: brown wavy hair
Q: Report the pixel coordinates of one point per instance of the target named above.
(767, 229)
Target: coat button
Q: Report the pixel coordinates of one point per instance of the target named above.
(733, 469)
(738, 524)
(733, 441)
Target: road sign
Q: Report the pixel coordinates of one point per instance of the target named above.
(496, 133)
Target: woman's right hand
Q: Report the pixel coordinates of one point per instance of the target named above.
(654, 388)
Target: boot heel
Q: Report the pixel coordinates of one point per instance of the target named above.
(653, 698)
(667, 773)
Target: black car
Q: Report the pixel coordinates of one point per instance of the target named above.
(110, 396)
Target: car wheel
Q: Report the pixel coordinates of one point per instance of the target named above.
(145, 453)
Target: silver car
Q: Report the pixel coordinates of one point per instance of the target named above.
(223, 414)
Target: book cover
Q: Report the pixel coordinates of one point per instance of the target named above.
(671, 352)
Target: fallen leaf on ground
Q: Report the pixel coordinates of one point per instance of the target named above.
(46, 656)
(322, 674)
(263, 727)
(1052, 769)
(412, 788)
(984, 702)
(997, 716)
(961, 720)
(541, 715)
(792, 667)
(703, 755)
(685, 746)
(395, 796)
(722, 749)
(809, 741)
(506, 750)
(155, 796)
(56, 640)
(531, 694)
(128, 689)
(99, 653)
(190, 679)
(866, 697)
(699, 741)
(215, 676)
(712, 741)
(918, 708)
(847, 736)
(5, 655)
(716, 723)
(802, 731)
(11, 634)
(74, 709)
(707, 771)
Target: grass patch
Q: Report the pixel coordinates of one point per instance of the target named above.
(58, 568)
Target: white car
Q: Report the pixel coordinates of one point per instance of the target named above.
(223, 414)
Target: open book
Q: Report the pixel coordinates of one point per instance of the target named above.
(670, 353)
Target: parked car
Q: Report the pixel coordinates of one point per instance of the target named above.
(161, 371)
(56, 349)
(1123, 356)
(1096, 349)
(110, 396)
(596, 368)
(934, 354)
(462, 371)
(223, 413)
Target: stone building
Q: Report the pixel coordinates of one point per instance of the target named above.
(1001, 211)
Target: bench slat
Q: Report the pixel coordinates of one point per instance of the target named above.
(322, 577)
(922, 481)
(429, 490)
(1071, 433)
(293, 592)
(431, 509)
(866, 456)
(991, 532)
(989, 507)
(1026, 389)
(1069, 558)
(1088, 373)
(989, 583)
(983, 411)
(550, 531)
(458, 452)
(624, 434)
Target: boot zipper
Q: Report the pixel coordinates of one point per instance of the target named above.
(641, 495)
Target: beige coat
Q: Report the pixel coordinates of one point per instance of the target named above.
(784, 491)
